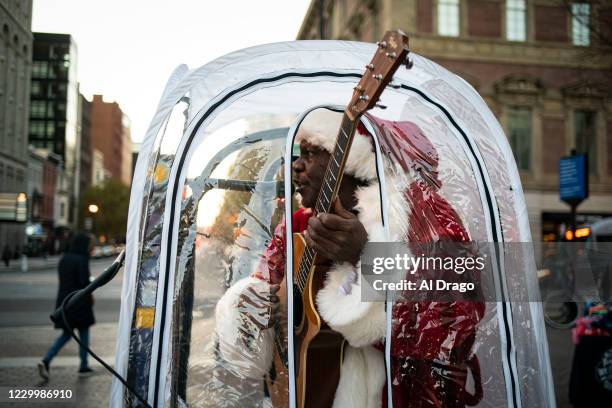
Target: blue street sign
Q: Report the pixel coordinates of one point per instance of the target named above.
(573, 182)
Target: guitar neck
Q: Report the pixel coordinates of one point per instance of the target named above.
(329, 189)
(335, 167)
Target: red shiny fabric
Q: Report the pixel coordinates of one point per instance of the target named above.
(272, 264)
(431, 342)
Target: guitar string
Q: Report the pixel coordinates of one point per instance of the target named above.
(324, 202)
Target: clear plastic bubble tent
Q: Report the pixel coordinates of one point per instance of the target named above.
(209, 191)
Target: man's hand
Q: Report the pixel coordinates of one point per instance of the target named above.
(339, 236)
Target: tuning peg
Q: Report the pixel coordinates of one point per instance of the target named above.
(370, 66)
(358, 88)
(364, 98)
(391, 54)
(380, 106)
(408, 63)
(377, 77)
(382, 44)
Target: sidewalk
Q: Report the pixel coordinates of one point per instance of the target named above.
(34, 264)
(88, 392)
(21, 350)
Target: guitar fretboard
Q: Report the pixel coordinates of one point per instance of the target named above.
(329, 191)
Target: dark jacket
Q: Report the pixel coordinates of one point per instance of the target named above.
(73, 270)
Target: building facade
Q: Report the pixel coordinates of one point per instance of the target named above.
(54, 107)
(34, 190)
(126, 151)
(15, 66)
(85, 159)
(110, 136)
(544, 67)
(98, 171)
(44, 170)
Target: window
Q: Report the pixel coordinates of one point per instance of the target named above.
(580, 24)
(515, 20)
(448, 17)
(36, 89)
(52, 71)
(50, 129)
(37, 128)
(37, 109)
(586, 136)
(51, 91)
(62, 210)
(50, 110)
(39, 69)
(519, 135)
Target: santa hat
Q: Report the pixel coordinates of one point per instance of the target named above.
(320, 128)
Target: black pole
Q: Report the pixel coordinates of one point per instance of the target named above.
(573, 208)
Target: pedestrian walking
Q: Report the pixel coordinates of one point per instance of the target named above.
(73, 271)
(6, 255)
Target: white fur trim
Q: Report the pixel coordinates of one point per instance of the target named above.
(237, 358)
(363, 323)
(320, 128)
(362, 377)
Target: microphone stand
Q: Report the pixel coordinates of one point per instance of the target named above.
(75, 299)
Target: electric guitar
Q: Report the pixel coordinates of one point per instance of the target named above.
(318, 349)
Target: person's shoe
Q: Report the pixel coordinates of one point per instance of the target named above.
(43, 370)
(85, 372)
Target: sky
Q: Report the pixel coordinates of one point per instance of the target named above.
(127, 49)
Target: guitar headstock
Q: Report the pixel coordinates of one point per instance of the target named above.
(391, 53)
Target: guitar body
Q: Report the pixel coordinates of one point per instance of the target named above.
(318, 349)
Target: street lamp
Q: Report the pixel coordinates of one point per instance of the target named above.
(92, 209)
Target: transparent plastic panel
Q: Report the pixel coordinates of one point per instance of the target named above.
(530, 343)
(462, 353)
(440, 351)
(158, 172)
(224, 301)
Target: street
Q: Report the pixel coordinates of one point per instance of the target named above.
(27, 298)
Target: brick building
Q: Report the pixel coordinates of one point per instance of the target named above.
(126, 152)
(110, 136)
(544, 67)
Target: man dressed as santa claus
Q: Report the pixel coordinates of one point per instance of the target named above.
(431, 344)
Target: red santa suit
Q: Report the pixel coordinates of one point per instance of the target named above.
(420, 332)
